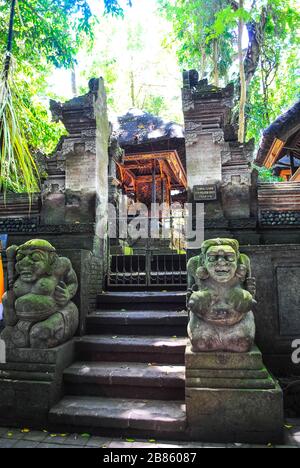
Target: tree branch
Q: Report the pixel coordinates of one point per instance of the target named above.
(256, 32)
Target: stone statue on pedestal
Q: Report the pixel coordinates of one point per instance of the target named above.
(38, 308)
(230, 395)
(220, 298)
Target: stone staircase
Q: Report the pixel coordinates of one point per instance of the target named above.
(129, 377)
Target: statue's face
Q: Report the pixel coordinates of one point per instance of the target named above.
(221, 263)
(32, 264)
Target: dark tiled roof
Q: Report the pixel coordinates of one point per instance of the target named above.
(138, 127)
(283, 128)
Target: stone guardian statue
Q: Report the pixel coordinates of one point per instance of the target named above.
(220, 298)
(38, 308)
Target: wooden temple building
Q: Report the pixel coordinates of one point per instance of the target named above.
(280, 146)
(153, 168)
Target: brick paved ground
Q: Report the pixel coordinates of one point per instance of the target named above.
(25, 438)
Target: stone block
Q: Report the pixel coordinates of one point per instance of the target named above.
(230, 383)
(232, 398)
(226, 374)
(235, 415)
(220, 361)
(31, 382)
(61, 356)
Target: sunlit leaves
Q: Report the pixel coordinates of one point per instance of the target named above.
(52, 29)
(114, 8)
(261, 112)
(198, 23)
(47, 34)
(18, 170)
(196, 26)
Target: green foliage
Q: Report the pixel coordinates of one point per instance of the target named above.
(47, 34)
(282, 94)
(31, 87)
(52, 29)
(113, 7)
(276, 85)
(266, 175)
(198, 25)
(17, 167)
(155, 105)
(137, 70)
(226, 20)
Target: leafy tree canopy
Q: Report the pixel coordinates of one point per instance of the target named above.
(47, 35)
(206, 33)
(50, 33)
(137, 70)
(48, 29)
(113, 7)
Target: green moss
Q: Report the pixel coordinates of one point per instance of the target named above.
(38, 244)
(35, 307)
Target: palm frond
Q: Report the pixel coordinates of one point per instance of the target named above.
(17, 166)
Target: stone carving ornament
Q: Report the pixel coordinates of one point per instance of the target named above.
(218, 137)
(38, 307)
(220, 298)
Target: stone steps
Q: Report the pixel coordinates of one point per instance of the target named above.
(132, 348)
(150, 300)
(121, 417)
(135, 322)
(131, 380)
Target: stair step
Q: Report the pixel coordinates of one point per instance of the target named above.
(148, 418)
(133, 380)
(138, 317)
(133, 373)
(134, 322)
(134, 298)
(132, 348)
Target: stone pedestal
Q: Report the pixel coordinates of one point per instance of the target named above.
(31, 382)
(232, 398)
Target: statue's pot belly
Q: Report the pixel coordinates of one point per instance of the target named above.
(217, 313)
(35, 307)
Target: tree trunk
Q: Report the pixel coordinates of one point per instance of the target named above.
(243, 97)
(256, 32)
(216, 62)
(9, 40)
(265, 93)
(202, 62)
(73, 81)
(132, 89)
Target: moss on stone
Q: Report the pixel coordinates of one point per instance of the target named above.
(40, 244)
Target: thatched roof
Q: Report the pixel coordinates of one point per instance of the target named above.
(138, 127)
(284, 127)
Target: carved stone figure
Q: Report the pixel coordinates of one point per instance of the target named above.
(38, 311)
(220, 298)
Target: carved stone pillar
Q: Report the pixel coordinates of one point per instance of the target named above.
(214, 157)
